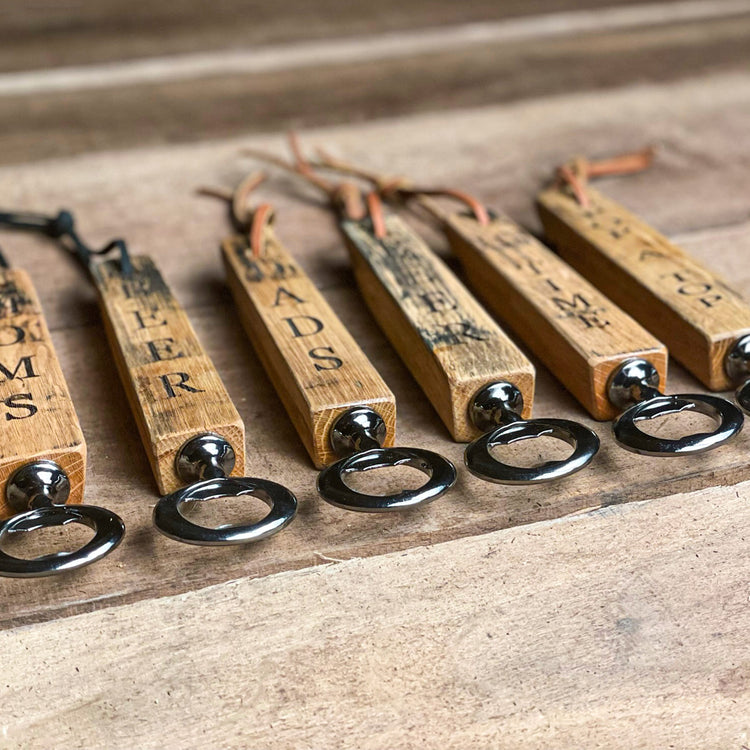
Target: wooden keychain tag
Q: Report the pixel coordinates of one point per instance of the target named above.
(42, 450)
(315, 364)
(173, 387)
(447, 340)
(693, 310)
(39, 419)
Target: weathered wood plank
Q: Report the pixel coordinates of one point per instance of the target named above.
(42, 126)
(86, 32)
(501, 153)
(637, 644)
(149, 565)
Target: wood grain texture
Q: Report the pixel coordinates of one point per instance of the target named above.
(86, 32)
(38, 416)
(34, 127)
(316, 366)
(172, 385)
(452, 347)
(549, 636)
(694, 311)
(579, 334)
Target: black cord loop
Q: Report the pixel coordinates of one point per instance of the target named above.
(62, 227)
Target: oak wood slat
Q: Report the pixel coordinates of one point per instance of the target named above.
(38, 416)
(94, 31)
(147, 196)
(36, 127)
(316, 366)
(452, 347)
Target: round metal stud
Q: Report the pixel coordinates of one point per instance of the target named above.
(633, 380)
(206, 456)
(36, 485)
(737, 366)
(737, 361)
(743, 396)
(496, 404)
(357, 429)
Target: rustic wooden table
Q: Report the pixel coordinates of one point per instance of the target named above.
(560, 616)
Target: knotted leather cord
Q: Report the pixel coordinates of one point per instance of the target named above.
(578, 171)
(62, 227)
(400, 189)
(344, 197)
(254, 222)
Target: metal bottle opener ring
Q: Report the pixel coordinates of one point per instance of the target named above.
(333, 488)
(204, 462)
(108, 528)
(358, 435)
(42, 487)
(501, 404)
(169, 520)
(481, 462)
(636, 380)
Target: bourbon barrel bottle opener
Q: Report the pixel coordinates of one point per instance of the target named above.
(703, 321)
(611, 364)
(478, 381)
(344, 412)
(188, 424)
(42, 450)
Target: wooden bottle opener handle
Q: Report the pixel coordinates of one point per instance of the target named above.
(573, 328)
(172, 385)
(697, 315)
(38, 417)
(316, 366)
(444, 336)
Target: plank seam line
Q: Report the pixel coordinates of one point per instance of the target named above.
(346, 51)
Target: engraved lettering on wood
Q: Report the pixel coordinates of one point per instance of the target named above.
(692, 310)
(314, 363)
(446, 338)
(172, 385)
(37, 415)
(578, 333)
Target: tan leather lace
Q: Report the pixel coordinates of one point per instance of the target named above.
(400, 189)
(578, 171)
(253, 221)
